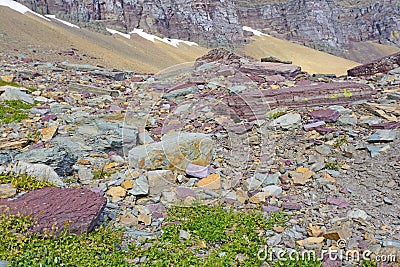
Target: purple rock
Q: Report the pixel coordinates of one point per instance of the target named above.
(78, 209)
(50, 117)
(386, 125)
(338, 201)
(184, 192)
(197, 170)
(311, 126)
(330, 260)
(326, 115)
(158, 215)
(156, 208)
(270, 208)
(291, 206)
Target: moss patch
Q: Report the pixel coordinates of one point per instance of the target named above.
(14, 111)
(24, 182)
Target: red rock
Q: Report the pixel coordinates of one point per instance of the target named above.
(271, 70)
(382, 65)
(386, 125)
(326, 115)
(79, 208)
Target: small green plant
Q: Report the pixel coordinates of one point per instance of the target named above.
(333, 165)
(216, 236)
(23, 248)
(4, 83)
(276, 115)
(23, 182)
(340, 141)
(14, 110)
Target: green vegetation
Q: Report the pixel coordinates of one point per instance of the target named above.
(340, 141)
(4, 83)
(13, 110)
(215, 236)
(333, 165)
(23, 182)
(276, 115)
(22, 248)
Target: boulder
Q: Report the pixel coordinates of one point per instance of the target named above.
(78, 209)
(175, 151)
(382, 65)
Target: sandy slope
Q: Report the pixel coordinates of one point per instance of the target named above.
(27, 33)
(310, 60)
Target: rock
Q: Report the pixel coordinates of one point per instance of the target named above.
(357, 214)
(59, 158)
(212, 182)
(286, 122)
(314, 231)
(323, 150)
(78, 209)
(128, 219)
(338, 201)
(312, 126)
(175, 151)
(197, 170)
(48, 133)
(263, 69)
(184, 192)
(127, 184)
(252, 183)
(140, 187)
(291, 206)
(272, 190)
(146, 219)
(274, 240)
(388, 201)
(382, 136)
(7, 190)
(3, 263)
(259, 197)
(116, 192)
(160, 180)
(275, 60)
(273, 179)
(181, 92)
(39, 171)
(338, 233)
(184, 235)
(374, 150)
(13, 93)
(85, 175)
(381, 65)
(326, 115)
(347, 120)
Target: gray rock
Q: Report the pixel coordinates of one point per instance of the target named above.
(3, 263)
(273, 190)
(387, 201)
(357, 214)
(140, 186)
(181, 92)
(60, 159)
(286, 122)
(323, 150)
(391, 243)
(85, 175)
(375, 150)
(39, 171)
(184, 235)
(252, 183)
(347, 120)
(274, 240)
(382, 136)
(145, 138)
(272, 179)
(160, 180)
(13, 93)
(175, 151)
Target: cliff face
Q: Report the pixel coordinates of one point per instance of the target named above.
(326, 25)
(211, 22)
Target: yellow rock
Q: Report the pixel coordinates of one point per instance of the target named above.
(128, 219)
(7, 78)
(279, 229)
(314, 231)
(328, 177)
(116, 191)
(146, 219)
(212, 182)
(259, 197)
(110, 166)
(275, 86)
(242, 196)
(127, 185)
(315, 239)
(48, 133)
(83, 162)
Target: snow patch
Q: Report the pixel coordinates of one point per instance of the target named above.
(20, 8)
(153, 38)
(255, 32)
(62, 21)
(128, 36)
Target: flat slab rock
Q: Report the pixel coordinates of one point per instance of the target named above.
(382, 65)
(79, 208)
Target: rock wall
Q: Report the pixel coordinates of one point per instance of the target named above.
(326, 25)
(210, 23)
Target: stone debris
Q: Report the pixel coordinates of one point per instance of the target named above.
(225, 130)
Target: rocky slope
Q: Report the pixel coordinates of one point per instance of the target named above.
(330, 26)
